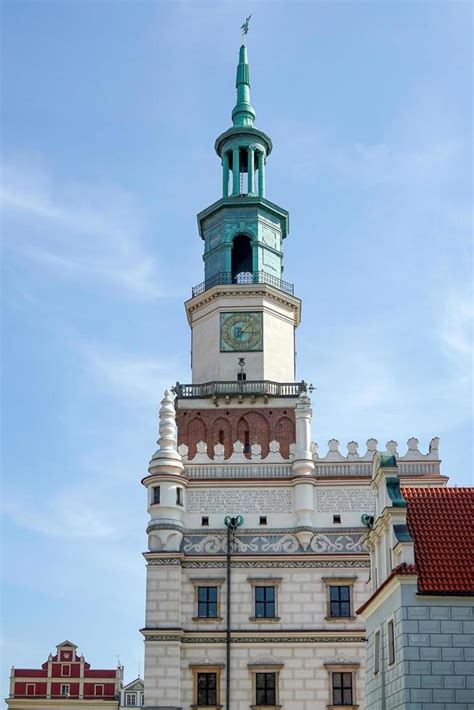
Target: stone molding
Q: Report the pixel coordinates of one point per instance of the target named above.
(333, 455)
(261, 637)
(261, 564)
(286, 543)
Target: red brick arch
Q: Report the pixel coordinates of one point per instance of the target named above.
(285, 434)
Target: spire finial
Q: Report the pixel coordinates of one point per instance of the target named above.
(243, 113)
(245, 28)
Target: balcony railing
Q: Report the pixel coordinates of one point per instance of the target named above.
(244, 278)
(237, 387)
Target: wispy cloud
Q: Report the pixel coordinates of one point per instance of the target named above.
(137, 380)
(74, 512)
(77, 230)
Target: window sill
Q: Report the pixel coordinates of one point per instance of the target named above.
(265, 620)
(342, 707)
(265, 707)
(206, 707)
(340, 619)
(207, 620)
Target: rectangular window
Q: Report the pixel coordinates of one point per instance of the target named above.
(156, 495)
(336, 519)
(263, 520)
(207, 602)
(342, 689)
(339, 601)
(377, 652)
(98, 689)
(265, 684)
(65, 670)
(207, 689)
(30, 688)
(179, 496)
(241, 376)
(264, 603)
(247, 442)
(130, 699)
(205, 521)
(64, 689)
(391, 643)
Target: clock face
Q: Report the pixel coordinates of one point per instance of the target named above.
(241, 331)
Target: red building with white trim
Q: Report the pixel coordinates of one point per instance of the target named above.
(64, 680)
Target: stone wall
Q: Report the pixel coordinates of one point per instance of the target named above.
(434, 656)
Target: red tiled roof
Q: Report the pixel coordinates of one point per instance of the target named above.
(440, 521)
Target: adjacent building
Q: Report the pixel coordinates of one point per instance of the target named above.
(256, 561)
(63, 681)
(131, 695)
(420, 615)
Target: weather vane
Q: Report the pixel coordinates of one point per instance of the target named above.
(245, 28)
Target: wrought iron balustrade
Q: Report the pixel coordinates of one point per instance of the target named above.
(236, 387)
(244, 278)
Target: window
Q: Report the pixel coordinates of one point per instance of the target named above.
(207, 602)
(207, 599)
(339, 598)
(179, 496)
(205, 521)
(339, 601)
(263, 520)
(264, 598)
(221, 436)
(130, 699)
(65, 689)
(377, 652)
(30, 688)
(206, 685)
(98, 689)
(247, 442)
(264, 602)
(336, 519)
(156, 495)
(342, 689)
(207, 689)
(265, 686)
(391, 642)
(65, 670)
(142, 698)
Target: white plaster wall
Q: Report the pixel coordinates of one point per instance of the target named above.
(276, 362)
(304, 681)
(301, 598)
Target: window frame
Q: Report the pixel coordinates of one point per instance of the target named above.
(211, 668)
(377, 652)
(128, 694)
(180, 496)
(256, 582)
(30, 685)
(391, 655)
(198, 582)
(342, 688)
(339, 582)
(266, 668)
(156, 493)
(65, 685)
(96, 686)
(343, 667)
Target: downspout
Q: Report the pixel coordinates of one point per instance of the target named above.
(231, 525)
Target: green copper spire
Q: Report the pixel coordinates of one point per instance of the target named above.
(243, 113)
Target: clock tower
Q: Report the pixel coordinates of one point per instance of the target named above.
(243, 308)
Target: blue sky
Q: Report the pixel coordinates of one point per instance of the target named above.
(110, 112)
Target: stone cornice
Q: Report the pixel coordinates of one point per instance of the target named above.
(274, 294)
(244, 636)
